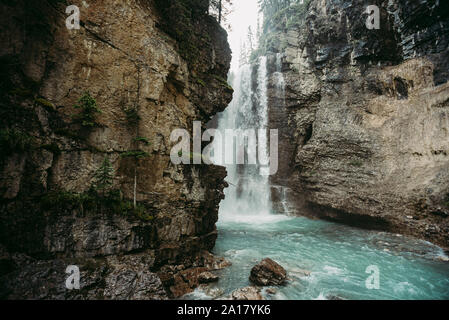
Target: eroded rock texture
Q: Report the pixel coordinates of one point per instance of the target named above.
(268, 273)
(129, 57)
(364, 121)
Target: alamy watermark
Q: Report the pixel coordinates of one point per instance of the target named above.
(73, 20)
(373, 281)
(73, 280)
(373, 20)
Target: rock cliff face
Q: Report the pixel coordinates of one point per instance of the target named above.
(132, 59)
(365, 117)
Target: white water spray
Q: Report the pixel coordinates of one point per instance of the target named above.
(248, 196)
(279, 82)
(279, 76)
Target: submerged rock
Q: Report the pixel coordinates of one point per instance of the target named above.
(334, 297)
(442, 258)
(268, 273)
(300, 272)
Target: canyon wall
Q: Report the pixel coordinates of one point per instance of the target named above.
(364, 118)
(151, 66)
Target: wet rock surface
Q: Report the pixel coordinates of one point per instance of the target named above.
(184, 279)
(207, 277)
(247, 293)
(268, 273)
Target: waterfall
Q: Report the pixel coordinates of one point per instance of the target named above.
(281, 204)
(248, 196)
(279, 76)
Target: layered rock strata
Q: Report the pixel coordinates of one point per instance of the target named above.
(146, 83)
(364, 116)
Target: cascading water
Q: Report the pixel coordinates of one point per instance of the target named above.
(248, 197)
(279, 75)
(336, 257)
(279, 84)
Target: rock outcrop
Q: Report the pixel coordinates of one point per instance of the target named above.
(247, 293)
(364, 117)
(268, 273)
(207, 277)
(137, 68)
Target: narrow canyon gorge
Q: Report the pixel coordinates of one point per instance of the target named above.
(85, 134)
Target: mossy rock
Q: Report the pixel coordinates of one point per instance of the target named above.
(356, 163)
(91, 202)
(201, 82)
(137, 154)
(143, 140)
(46, 104)
(14, 140)
(223, 82)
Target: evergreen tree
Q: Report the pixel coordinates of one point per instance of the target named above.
(259, 27)
(251, 42)
(104, 176)
(243, 59)
(89, 110)
(220, 9)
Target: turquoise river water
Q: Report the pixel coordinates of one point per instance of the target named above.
(336, 256)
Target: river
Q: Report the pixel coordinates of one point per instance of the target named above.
(324, 260)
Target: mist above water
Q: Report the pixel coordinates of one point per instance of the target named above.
(248, 196)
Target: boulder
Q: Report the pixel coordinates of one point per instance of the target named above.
(268, 273)
(207, 277)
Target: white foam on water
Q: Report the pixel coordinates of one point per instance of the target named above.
(404, 287)
(321, 296)
(243, 253)
(333, 270)
(198, 294)
(253, 219)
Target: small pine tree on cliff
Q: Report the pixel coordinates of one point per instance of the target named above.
(89, 111)
(104, 176)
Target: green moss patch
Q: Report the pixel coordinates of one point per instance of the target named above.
(93, 202)
(45, 103)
